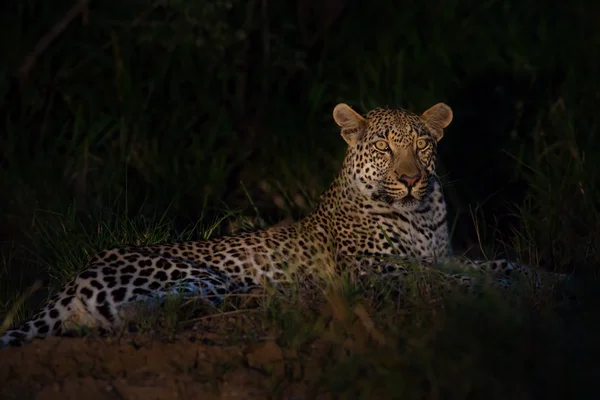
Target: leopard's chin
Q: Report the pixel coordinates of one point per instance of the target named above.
(408, 203)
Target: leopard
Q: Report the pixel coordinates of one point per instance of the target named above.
(385, 201)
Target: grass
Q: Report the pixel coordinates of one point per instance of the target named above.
(366, 341)
(140, 128)
(420, 345)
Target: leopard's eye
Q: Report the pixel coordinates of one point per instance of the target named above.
(421, 144)
(381, 145)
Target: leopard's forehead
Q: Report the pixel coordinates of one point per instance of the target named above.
(395, 123)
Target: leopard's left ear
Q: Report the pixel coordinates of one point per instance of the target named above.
(437, 119)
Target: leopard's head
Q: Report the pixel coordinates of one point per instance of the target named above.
(392, 152)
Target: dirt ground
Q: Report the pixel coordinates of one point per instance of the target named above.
(189, 366)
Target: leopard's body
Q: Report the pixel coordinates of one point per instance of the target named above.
(386, 200)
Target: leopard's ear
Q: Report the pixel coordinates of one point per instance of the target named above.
(437, 119)
(353, 124)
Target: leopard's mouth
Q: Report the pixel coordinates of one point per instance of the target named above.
(395, 197)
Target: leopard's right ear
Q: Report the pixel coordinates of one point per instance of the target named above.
(353, 124)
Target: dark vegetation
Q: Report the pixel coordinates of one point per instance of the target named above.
(147, 122)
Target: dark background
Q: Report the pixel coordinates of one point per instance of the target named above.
(185, 109)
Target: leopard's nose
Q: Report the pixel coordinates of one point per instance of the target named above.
(409, 181)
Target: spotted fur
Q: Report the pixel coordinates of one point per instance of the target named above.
(385, 201)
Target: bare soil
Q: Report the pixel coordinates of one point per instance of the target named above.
(189, 366)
